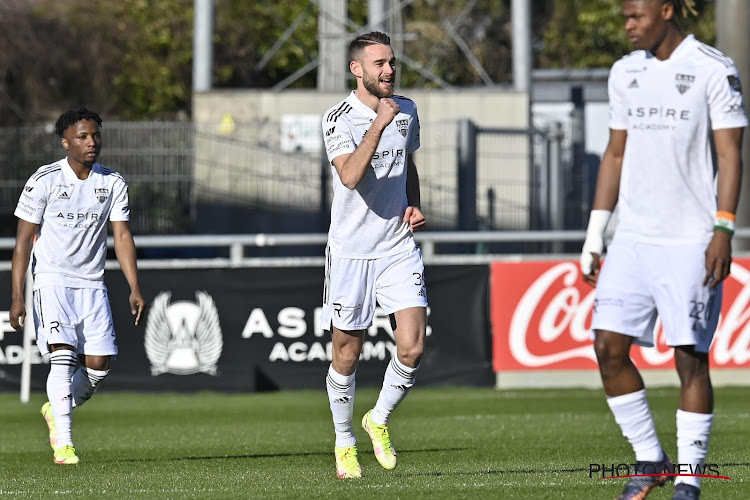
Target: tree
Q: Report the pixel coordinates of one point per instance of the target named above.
(591, 34)
(132, 59)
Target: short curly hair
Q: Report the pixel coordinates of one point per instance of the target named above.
(71, 117)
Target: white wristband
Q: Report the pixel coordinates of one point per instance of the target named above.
(594, 243)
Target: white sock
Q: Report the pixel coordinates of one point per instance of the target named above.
(632, 413)
(85, 383)
(341, 398)
(693, 431)
(62, 364)
(397, 382)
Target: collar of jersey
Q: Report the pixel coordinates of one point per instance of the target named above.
(68, 171)
(360, 106)
(684, 45)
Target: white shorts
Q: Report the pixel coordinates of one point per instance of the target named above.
(639, 281)
(354, 286)
(80, 317)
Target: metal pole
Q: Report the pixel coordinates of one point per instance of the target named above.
(521, 29)
(557, 184)
(467, 175)
(332, 43)
(732, 27)
(376, 15)
(28, 337)
(203, 21)
(578, 214)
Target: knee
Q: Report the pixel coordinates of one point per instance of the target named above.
(610, 354)
(411, 355)
(692, 366)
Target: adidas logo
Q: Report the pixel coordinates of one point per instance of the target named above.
(421, 292)
(343, 400)
(28, 188)
(330, 131)
(64, 196)
(633, 84)
(400, 387)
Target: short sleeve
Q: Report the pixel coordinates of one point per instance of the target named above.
(120, 205)
(618, 111)
(32, 202)
(725, 103)
(336, 135)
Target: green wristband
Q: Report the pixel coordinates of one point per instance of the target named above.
(725, 229)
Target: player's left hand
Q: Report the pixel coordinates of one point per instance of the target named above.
(718, 259)
(415, 218)
(137, 305)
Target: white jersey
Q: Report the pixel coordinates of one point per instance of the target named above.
(367, 222)
(669, 108)
(71, 245)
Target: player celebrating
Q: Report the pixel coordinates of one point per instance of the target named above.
(371, 255)
(65, 206)
(672, 247)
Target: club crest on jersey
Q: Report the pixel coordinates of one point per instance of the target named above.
(183, 337)
(684, 82)
(403, 126)
(101, 194)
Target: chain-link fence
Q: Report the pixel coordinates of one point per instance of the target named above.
(176, 169)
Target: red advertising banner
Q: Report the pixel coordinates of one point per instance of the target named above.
(541, 320)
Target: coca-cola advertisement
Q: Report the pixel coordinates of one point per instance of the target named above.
(541, 320)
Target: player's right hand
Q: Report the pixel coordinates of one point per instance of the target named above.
(17, 315)
(387, 110)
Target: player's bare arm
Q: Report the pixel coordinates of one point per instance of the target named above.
(605, 199)
(728, 144)
(125, 251)
(353, 167)
(21, 255)
(413, 214)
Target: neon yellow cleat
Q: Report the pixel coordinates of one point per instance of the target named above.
(381, 442)
(66, 455)
(47, 414)
(347, 465)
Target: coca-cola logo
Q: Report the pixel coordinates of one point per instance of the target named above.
(550, 323)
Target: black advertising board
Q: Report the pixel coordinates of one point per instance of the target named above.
(255, 329)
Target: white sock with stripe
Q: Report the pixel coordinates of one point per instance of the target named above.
(341, 399)
(85, 383)
(397, 382)
(59, 391)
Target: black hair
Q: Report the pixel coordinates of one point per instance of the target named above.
(366, 39)
(71, 117)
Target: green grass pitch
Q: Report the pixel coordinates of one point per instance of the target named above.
(453, 443)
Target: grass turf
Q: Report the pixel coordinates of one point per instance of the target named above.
(452, 443)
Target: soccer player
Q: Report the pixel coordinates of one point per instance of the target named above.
(672, 246)
(371, 256)
(64, 207)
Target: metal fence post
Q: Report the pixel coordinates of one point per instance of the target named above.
(556, 203)
(467, 175)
